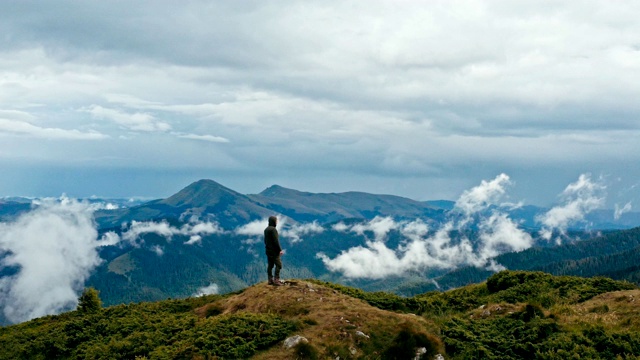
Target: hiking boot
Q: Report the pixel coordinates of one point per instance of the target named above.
(270, 281)
(277, 282)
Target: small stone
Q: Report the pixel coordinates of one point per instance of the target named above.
(419, 352)
(361, 334)
(438, 357)
(293, 341)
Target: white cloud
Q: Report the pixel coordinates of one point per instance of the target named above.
(294, 233)
(138, 228)
(415, 229)
(380, 226)
(580, 198)
(211, 289)
(163, 228)
(340, 227)
(480, 197)
(619, 211)
(136, 121)
(254, 228)
(23, 128)
(158, 250)
(54, 249)
(421, 250)
(103, 206)
(500, 234)
(194, 239)
(209, 138)
(291, 233)
(109, 238)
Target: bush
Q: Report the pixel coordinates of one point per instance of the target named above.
(89, 301)
(408, 341)
(213, 310)
(506, 279)
(304, 350)
(531, 312)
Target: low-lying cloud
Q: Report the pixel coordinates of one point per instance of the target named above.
(422, 249)
(54, 249)
(194, 229)
(211, 289)
(620, 210)
(293, 233)
(579, 198)
(481, 209)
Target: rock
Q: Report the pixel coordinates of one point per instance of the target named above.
(293, 341)
(419, 352)
(353, 350)
(361, 334)
(438, 357)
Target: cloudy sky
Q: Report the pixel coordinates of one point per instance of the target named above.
(414, 98)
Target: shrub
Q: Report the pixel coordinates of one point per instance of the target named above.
(531, 312)
(408, 341)
(213, 310)
(304, 350)
(601, 309)
(89, 301)
(506, 279)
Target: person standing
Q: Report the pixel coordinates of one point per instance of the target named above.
(273, 250)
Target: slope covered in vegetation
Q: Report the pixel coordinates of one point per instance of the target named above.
(526, 315)
(513, 315)
(614, 254)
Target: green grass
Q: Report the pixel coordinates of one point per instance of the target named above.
(514, 315)
(162, 330)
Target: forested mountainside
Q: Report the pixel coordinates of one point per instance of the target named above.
(209, 236)
(615, 254)
(513, 315)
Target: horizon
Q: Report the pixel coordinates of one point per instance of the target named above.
(584, 189)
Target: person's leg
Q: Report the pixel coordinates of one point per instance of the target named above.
(278, 263)
(270, 264)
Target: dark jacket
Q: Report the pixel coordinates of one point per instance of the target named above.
(271, 240)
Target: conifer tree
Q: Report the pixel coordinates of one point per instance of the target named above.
(89, 301)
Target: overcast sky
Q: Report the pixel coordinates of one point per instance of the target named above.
(422, 99)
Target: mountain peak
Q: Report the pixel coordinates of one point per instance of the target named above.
(279, 191)
(201, 193)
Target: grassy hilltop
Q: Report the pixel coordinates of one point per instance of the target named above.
(513, 315)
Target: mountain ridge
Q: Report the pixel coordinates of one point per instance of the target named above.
(211, 200)
(329, 207)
